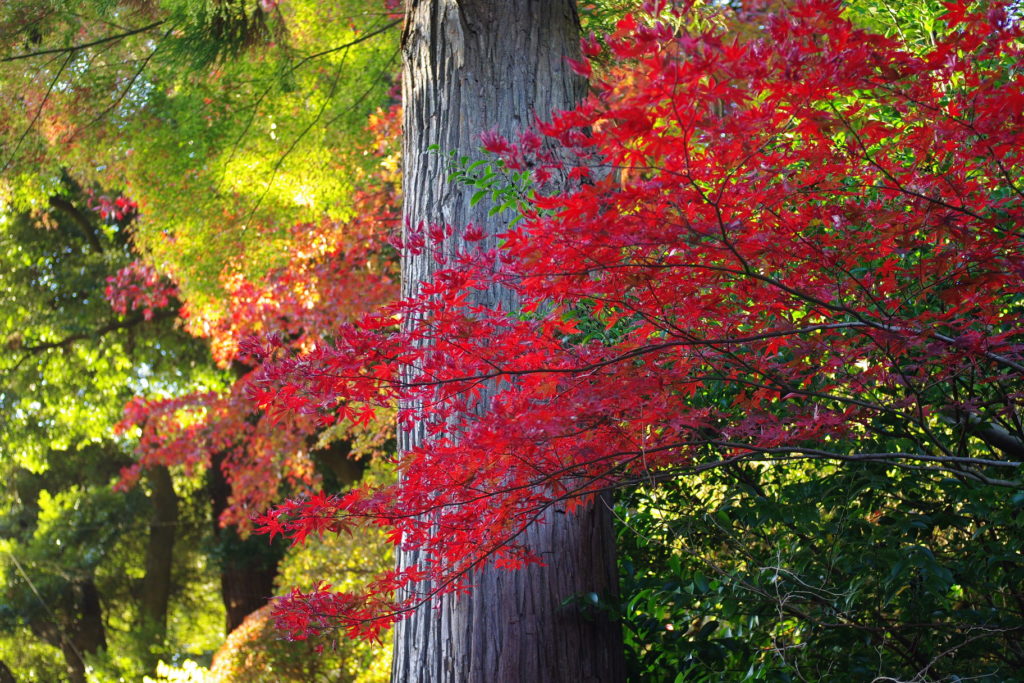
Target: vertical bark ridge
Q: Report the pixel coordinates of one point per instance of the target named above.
(472, 66)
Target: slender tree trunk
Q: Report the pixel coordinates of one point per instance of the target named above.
(156, 585)
(78, 635)
(248, 566)
(472, 66)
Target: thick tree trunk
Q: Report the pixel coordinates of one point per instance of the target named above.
(156, 585)
(472, 66)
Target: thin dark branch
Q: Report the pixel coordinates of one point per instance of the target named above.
(39, 111)
(255, 109)
(897, 185)
(124, 93)
(133, 320)
(81, 46)
(356, 41)
(636, 353)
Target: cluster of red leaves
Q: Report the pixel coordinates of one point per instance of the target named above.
(336, 271)
(120, 210)
(138, 286)
(331, 262)
(802, 242)
(169, 432)
(259, 458)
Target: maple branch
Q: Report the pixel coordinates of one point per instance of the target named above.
(867, 322)
(990, 433)
(81, 46)
(815, 453)
(586, 489)
(961, 122)
(786, 454)
(442, 585)
(652, 348)
(752, 454)
(39, 111)
(628, 355)
(892, 179)
(861, 320)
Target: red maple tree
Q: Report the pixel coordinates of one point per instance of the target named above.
(792, 239)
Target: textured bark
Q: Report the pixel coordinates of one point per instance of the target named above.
(472, 66)
(156, 585)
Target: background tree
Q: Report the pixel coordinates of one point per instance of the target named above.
(206, 101)
(70, 363)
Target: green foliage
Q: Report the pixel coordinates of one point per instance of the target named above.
(70, 363)
(823, 572)
(915, 22)
(254, 108)
(255, 111)
(493, 181)
(277, 160)
(32, 660)
(210, 31)
(74, 530)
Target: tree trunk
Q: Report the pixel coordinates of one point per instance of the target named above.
(81, 632)
(156, 585)
(248, 566)
(245, 585)
(472, 66)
